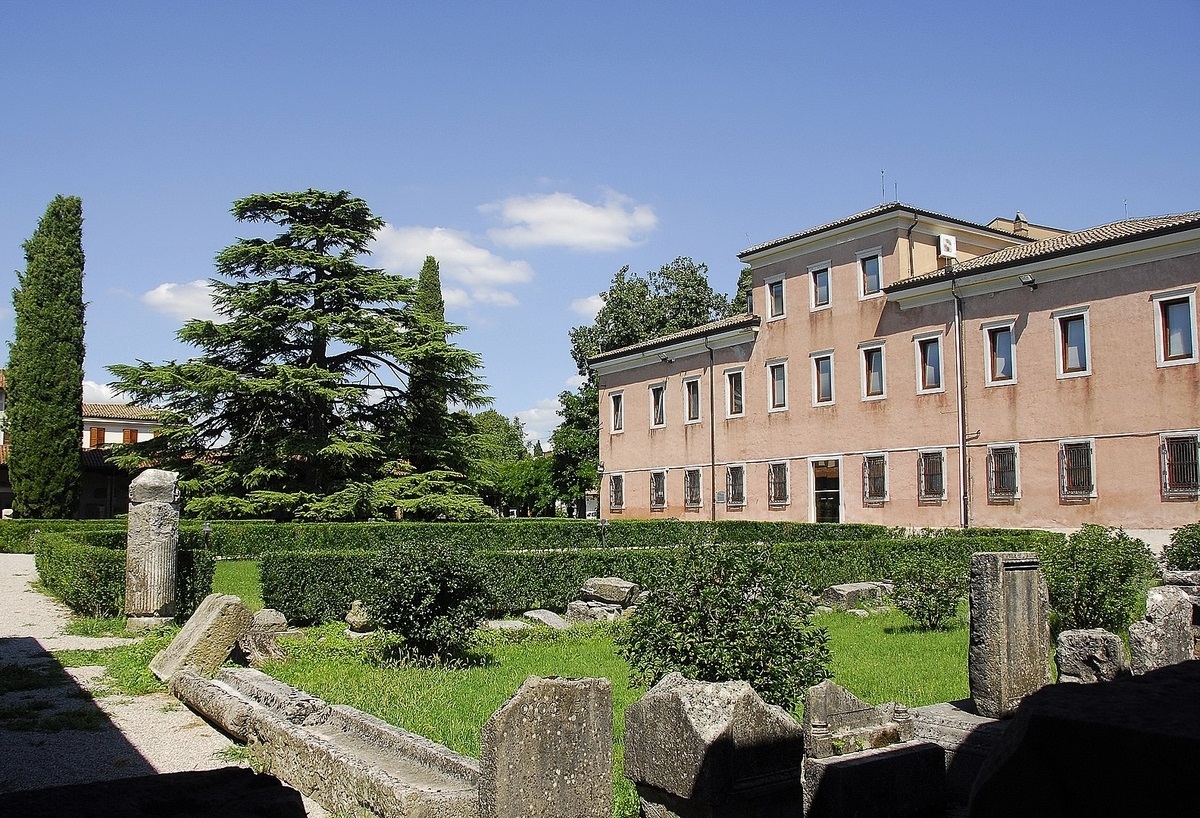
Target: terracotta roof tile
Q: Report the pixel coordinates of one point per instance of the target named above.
(721, 325)
(118, 411)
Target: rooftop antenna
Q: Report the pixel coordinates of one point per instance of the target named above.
(1126, 202)
(882, 187)
(896, 191)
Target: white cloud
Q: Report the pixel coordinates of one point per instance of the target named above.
(95, 392)
(562, 220)
(588, 307)
(182, 301)
(541, 419)
(575, 381)
(482, 276)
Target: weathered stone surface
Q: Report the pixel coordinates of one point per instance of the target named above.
(1182, 578)
(151, 556)
(966, 737)
(206, 639)
(1009, 654)
(838, 722)
(905, 781)
(222, 706)
(506, 625)
(294, 705)
(1090, 655)
(853, 594)
(582, 611)
(703, 748)
(1125, 748)
(547, 752)
(1170, 608)
(610, 590)
(548, 618)
(154, 486)
(268, 620)
(358, 618)
(257, 648)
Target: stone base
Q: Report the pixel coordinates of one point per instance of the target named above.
(357, 634)
(141, 624)
(902, 781)
(967, 738)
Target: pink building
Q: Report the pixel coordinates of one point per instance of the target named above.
(908, 368)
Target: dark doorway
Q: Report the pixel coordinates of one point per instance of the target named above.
(827, 491)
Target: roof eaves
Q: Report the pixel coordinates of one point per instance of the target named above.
(733, 323)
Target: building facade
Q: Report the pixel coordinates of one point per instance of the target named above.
(908, 368)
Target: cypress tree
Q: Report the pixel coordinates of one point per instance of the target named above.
(435, 437)
(45, 367)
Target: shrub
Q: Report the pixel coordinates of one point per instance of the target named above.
(90, 580)
(432, 597)
(721, 613)
(1183, 554)
(1097, 578)
(314, 586)
(929, 586)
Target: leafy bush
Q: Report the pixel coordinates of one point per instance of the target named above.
(1183, 554)
(930, 585)
(16, 536)
(432, 597)
(1097, 578)
(721, 613)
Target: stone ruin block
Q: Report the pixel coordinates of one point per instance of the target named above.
(966, 738)
(207, 638)
(547, 752)
(1009, 654)
(1164, 637)
(548, 618)
(152, 549)
(838, 722)
(853, 594)
(609, 590)
(155, 486)
(904, 781)
(715, 750)
(1090, 655)
(584, 611)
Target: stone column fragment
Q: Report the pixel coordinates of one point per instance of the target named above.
(151, 551)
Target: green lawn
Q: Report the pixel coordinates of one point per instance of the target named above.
(240, 578)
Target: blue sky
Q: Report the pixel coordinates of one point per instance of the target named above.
(535, 148)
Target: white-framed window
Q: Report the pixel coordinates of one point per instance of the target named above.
(873, 382)
(691, 395)
(658, 405)
(616, 491)
(777, 483)
(777, 399)
(822, 375)
(1180, 456)
(819, 286)
(691, 488)
(1003, 472)
(928, 349)
(776, 306)
(1000, 354)
(616, 402)
(1076, 469)
(735, 393)
(1074, 358)
(735, 485)
(875, 489)
(931, 475)
(1175, 327)
(658, 489)
(870, 273)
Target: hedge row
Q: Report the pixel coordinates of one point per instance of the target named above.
(90, 579)
(314, 586)
(16, 536)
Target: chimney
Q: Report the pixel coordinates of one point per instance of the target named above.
(1020, 226)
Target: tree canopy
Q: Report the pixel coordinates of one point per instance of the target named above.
(44, 380)
(675, 297)
(297, 403)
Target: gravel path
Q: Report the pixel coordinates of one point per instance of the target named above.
(128, 735)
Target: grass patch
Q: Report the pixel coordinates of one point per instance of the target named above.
(99, 626)
(30, 677)
(240, 578)
(126, 667)
(884, 658)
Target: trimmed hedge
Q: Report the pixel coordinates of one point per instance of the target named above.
(314, 586)
(16, 536)
(90, 579)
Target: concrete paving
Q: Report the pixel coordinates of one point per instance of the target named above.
(128, 736)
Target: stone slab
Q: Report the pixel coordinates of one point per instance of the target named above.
(547, 752)
(205, 641)
(548, 618)
(853, 594)
(1124, 748)
(610, 590)
(903, 781)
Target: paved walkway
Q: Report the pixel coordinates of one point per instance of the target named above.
(131, 735)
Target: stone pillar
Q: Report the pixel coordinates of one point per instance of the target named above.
(713, 750)
(547, 752)
(151, 551)
(1010, 630)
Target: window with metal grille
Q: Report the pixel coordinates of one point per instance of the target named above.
(931, 477)
(735, 485)
(658, 489)
(616, 491)
(1076, 476)
(1002, 473)
(1180, 469)
(874, 478)
(691, 488)
(777, 484)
